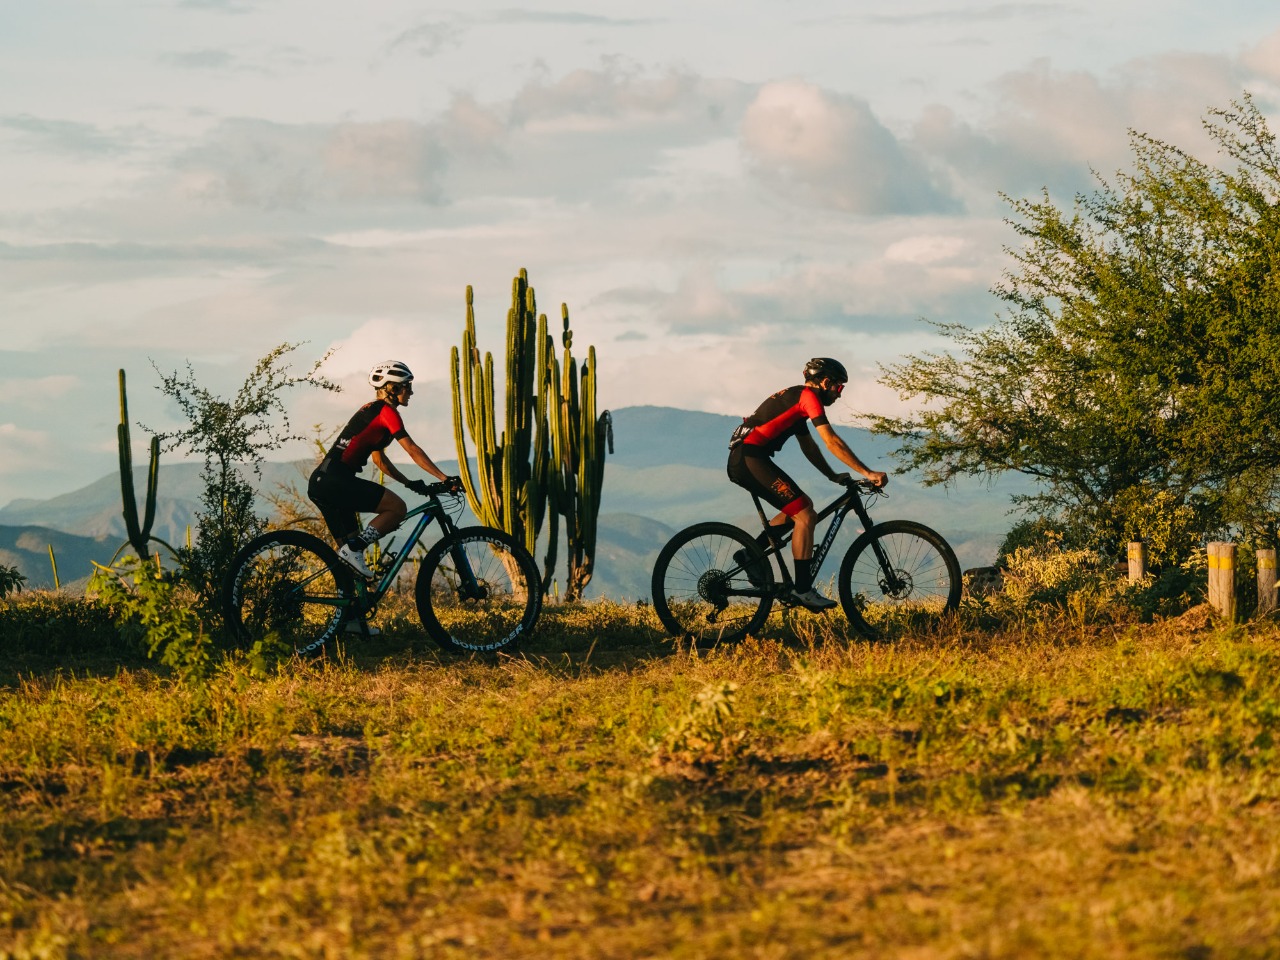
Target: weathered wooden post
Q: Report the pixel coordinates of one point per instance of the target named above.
(1266, 581)
(1137, 560)
(1222, 579)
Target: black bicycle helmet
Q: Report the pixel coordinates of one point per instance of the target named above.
(821, 367)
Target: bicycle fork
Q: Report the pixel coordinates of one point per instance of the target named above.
(469, 588)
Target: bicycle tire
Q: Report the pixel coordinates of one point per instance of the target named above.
(508, 599)
(927, 572)
(290, 584)
(695, 578)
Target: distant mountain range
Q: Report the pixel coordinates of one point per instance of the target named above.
(667, 472)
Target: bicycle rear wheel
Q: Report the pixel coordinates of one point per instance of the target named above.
(915, 584)
(289, 584)
(701, 591)
(478, 591)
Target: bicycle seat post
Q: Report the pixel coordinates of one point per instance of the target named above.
(774, 538)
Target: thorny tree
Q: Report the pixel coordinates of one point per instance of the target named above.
(1134, 372)
(233, 435)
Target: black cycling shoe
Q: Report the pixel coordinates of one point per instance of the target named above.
(751, 568)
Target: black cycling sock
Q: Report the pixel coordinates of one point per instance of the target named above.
(804, 576)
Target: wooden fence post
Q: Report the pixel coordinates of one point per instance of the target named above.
(1222, 579)
(1266, 581)
(1137, 560)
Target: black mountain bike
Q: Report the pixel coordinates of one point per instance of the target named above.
(895, 572)
(477, 589)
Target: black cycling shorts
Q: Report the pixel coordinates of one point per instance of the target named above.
(340, 495)
(759, 474)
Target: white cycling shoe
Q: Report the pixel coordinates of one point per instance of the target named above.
(355, 560)
(811, 600)
(362, 628)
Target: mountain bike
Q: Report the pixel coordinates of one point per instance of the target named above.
(477, 588)
(895, 573)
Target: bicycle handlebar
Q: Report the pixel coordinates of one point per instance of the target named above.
(446, 487)
(863, 485)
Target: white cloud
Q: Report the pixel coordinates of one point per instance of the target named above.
(1264, 58)
(1046, 128)
(428, 39)
(19, 446)
(274, 165)
(926, 248)
(35, 391)
(620, 93)
(830, 150)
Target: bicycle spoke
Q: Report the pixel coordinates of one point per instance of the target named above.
(701, 591)
(478, 590)
(283, 586)
(901, 573)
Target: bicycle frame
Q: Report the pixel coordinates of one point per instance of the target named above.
(837, 509)
(368, 597)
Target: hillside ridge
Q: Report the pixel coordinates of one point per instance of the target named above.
(666, 472)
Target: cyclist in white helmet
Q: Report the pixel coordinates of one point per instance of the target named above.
(340, 493)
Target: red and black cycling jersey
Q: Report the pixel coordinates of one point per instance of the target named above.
(373, 427)
(781, 417)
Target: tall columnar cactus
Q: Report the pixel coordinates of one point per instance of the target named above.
(550, 450)
(578, 451)
(139, 533)
(508, 490)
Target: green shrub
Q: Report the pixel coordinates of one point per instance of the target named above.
(46, 622)
(1030, 532)
(1044, 573)
(1169, 526)
(11, 580)
(158, 610)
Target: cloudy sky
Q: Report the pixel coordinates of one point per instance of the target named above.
(718, 190)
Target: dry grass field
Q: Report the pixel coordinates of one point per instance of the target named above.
(1055, 786)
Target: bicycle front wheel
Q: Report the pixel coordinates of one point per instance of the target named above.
(898, 575)
(288, 584)
(478, 591)
(701, 591)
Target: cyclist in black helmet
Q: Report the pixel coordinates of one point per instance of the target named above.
(338, 490)
(780, 417)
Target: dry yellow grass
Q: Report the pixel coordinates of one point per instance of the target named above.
(1055, 790)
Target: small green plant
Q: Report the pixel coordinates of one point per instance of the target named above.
(1042, 572)
(701, 737)
(47, 623)
(156, 608)
(1029, 532)
(11, 580)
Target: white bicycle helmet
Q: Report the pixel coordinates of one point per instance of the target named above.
(389, 371)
